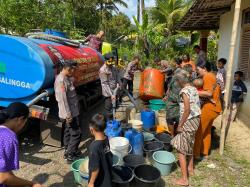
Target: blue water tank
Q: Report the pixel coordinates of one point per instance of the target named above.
(136, 140)
(27, 66)
(148, 119)
(128, 134)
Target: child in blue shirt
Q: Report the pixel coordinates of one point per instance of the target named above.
(238, 92)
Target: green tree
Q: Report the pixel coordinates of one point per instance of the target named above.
(168, 13)
(116, 27)
(21, 16)
(107, 7)
(85, 15)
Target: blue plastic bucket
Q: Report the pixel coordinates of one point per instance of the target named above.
(163, 160)
(148, 119)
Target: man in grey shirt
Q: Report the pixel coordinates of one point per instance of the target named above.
(68, 110)
(201, 56)
(110, 81)
(129, 74)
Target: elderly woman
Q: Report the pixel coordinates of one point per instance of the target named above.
(209, 111)
(172, 103)
(189, 122)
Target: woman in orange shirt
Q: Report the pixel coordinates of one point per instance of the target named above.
(186, 60)
(209, 111)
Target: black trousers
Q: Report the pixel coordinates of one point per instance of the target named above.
(108, 107)
(129, 84)
(72, 136)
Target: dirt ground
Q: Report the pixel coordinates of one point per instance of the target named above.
(45, 164)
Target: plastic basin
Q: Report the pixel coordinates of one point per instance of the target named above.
(151, 147)
(157, 104)
(132, 160)
(121, 176)
(76, 172)
(166, 139)
(148, 136)
(163, 160)
(147, 176)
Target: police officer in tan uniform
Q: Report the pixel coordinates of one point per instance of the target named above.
(68, 110)
(110, 80)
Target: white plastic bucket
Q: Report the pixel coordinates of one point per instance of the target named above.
(119, 146)
(136, 124)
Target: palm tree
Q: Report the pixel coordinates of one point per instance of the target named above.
(106, 7)
(169, 12)
(110, 5)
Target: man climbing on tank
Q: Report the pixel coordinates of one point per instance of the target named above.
(95, 41)
(110, 82)
(129, 74)
(68, 110)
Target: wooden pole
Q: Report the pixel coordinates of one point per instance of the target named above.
(230, 72)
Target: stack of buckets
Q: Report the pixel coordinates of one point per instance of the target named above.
(132, 148)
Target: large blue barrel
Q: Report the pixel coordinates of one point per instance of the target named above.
(148, 119)
(128, 134)
(136, 140)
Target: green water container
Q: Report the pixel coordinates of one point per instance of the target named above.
(157, 104)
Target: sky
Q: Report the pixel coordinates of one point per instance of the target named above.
(132, 7)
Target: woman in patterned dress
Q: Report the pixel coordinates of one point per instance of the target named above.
(189, 122)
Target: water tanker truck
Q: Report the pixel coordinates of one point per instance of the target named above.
(29, 65)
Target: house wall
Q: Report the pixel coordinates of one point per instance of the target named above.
(225, 31)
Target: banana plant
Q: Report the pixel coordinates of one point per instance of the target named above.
(143, 31)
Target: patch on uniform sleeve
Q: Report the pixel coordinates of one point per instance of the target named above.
(62, 87)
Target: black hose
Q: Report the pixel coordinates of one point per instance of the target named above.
(57, 39)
